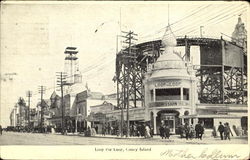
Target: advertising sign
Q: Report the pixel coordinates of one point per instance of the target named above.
(168, 103)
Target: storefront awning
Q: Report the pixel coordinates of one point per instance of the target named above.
(211, 116)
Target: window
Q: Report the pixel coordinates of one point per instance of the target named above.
(168, 94)
(185, 93)
(79, 111)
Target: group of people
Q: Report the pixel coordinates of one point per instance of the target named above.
(225, 131)
(141, 130)
(135, 130)
(190, 132)
(164, 131)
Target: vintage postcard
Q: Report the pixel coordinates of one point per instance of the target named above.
(124, 80)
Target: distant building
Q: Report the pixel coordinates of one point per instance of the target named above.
(43, 113)
(19, 114)
(13, 118)
(239, 36)
(55, 110)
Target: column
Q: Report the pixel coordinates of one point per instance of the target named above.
(182, 121)
(154, 115)
(154, 95)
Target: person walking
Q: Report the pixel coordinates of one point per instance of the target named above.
(221, 130)
(1, 130)
(152, 131)
(147, 132)
(191, 132)
(227, 131)
(187, 130)
(167, 132)
(103, 130)
(181, 130)
(197, 128)
(161, 129)
(135, 130)
(199, 131)
(96, 129)
(131, 129)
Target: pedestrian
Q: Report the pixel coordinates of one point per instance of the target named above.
(140, 130)
(187, 130)
(181, 130)
(191, 132)
(147, 131)
(96, 129)
(152, 131)
(103, 130)
(199, 131)
(221, 130)
(1, 130)
(227, 131)
(161, 129)
(197, 127)
(167, 132)
(131, 130)
(135, 130)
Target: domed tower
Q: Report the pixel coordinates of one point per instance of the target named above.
(170, 88)
(239, 36)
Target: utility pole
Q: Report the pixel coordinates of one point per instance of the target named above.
(41, 90)
(130, 57)
(201, 27)
(29, 94)
(61, 81)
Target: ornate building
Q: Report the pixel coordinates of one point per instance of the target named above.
(239, 36)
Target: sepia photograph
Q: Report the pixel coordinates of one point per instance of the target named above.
(132, 75)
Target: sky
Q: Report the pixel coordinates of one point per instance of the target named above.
(34, 36)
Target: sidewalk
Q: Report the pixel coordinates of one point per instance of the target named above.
(176, 138)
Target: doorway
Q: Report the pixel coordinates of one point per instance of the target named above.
(169, 118)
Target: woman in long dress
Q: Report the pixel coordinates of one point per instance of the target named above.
(147, 129)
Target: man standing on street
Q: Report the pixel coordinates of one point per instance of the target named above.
(221, 130)
(1, 129)
(187, 130)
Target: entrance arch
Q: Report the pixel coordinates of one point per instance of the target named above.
(168, 117)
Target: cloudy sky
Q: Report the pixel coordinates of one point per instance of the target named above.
(35, 35)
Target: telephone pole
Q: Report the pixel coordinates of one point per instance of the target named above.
(61, 81)
(41, 90)
(130, 58)
(29, 94)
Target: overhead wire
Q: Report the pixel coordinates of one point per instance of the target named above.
(219, 20)
(213, 19)
(184, 18)
(176, 29)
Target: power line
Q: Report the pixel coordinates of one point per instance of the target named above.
(190, 28)
(184, 27)
(221, 19)
(61, 81)
(41, 90)
(192, 13)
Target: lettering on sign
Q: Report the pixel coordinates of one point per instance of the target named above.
(167, 83)
(168, 103)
